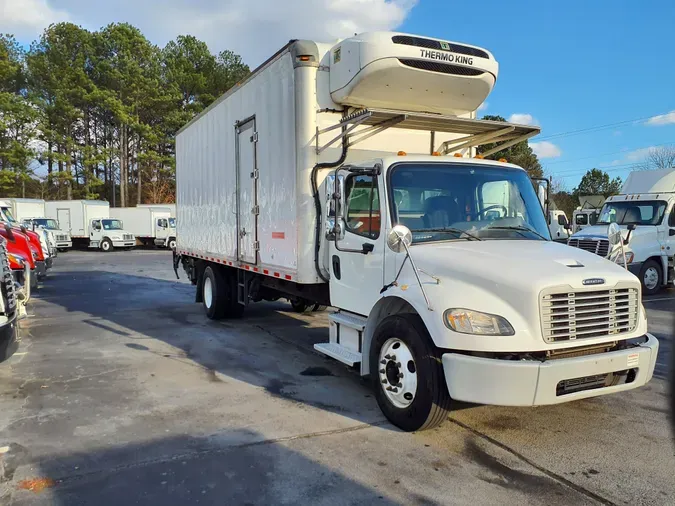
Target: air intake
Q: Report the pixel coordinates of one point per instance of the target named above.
(409, 40)
(442, 68)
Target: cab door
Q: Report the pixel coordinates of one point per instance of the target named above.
(670, 233)
(357, 249)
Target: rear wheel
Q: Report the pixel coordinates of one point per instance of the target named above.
(106, 245)
(407, 374)
(318, 307)
(301, 305)
(219, 294)
(651, 277)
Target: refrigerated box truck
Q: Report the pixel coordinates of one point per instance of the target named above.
(346, 175)
(150, 224)
(166, 236)
(89, 223)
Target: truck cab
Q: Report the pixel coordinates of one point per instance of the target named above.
(165, 232)
(109, 233)
(559, 226)
(60, 239)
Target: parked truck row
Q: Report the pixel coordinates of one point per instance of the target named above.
(346, 175)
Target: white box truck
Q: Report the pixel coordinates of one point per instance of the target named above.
(90, 224)
(166, 235)
(150, 224)
(645, 211)
(31, 213)
(346, 175)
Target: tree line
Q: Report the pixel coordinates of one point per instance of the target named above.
(97, 111)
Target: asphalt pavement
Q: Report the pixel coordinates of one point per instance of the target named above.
(123, 392)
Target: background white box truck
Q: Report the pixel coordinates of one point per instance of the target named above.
(89, 223)
(149, 224)
(166, 235)
(645, 211)
(322, 176)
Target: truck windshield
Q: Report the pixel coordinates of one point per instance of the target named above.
(441, 201)
(172, 222)
(642, 212)
(47, 223)
(112, 224)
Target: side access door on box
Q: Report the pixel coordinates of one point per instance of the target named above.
(63, 217)
(247, 191)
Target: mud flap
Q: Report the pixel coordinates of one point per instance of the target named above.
(176, 262)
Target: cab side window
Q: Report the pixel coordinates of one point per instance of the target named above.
(362, 206)
(96, 225)
(562, 220)
(671, 220)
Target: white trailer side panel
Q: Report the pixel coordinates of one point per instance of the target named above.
(206, 171)
(27, 208)
(74, 215)
(140, 221)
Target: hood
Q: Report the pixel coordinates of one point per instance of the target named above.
(641, 233)
(508, 265)
(19, 244)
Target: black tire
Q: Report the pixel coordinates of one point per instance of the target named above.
(301, 306)
(318, 307)
(222, 302)
(106, 245)
(651, 264)
(431, 404)
(172, 244)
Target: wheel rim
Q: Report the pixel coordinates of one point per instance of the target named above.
(172, 245)
(398, 373)
(208, 292)
(651, 278)
(106, 246)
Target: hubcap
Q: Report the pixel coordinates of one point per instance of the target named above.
(106, 246)
(397, 373)
(651, 278)
(208, 292)
(172, 245)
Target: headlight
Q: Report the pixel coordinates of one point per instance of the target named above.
(618, 257)
(473, 322)
(17, 259)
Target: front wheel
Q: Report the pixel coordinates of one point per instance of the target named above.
(106, 245)
(172, 244)
(651, 277)
(407, 374)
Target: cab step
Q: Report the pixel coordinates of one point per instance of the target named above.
(346, 338)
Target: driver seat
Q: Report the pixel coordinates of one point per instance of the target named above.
(440, 212)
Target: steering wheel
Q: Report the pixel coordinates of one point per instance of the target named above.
(488, 208)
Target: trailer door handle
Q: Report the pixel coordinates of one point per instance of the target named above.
(336, 267)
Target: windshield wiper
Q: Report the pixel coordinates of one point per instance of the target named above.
(518, 228)
(459, 231)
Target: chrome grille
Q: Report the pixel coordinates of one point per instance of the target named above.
(7, 281)
(597, 246)
(61, 237)
(569, 315)
(128, 237)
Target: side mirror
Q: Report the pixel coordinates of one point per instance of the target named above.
(334, 211)
(632, 226)
(614, 234)
(399, 239)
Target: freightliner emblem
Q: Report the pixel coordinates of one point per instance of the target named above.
(593, 281)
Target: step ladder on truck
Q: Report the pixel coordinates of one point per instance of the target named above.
(347, 175)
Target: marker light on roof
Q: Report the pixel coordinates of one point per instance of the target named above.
(401, 153)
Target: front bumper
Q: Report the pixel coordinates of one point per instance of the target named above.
(64, 244)
(124, 244)
(9, 336)
(41, 268)
(532, 383)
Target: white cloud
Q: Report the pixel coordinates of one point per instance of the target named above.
(634, 156)
(523, 119)
(27, 18)
(545, 149)
(254, 29)
(662, 119)
(483, 106)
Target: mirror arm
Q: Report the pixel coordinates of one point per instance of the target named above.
(419, 281)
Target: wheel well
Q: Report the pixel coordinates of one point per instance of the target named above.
(386, 306)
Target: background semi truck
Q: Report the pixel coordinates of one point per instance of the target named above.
(346, 175)
(150, 224)
(645, 211)
(89, 223)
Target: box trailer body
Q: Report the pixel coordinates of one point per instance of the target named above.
(26, 208)
(347, 175)
(146, 223)
(645, 212)
(89, 223)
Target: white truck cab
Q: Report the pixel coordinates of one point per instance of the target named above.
(166, 233)
(60, 239)
(559, 226)
(109, 233)
(645, 212)
(347, 175)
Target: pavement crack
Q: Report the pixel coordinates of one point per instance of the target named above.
(578, 488)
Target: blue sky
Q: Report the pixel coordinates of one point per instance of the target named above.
(566, 65)
(573, 65)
